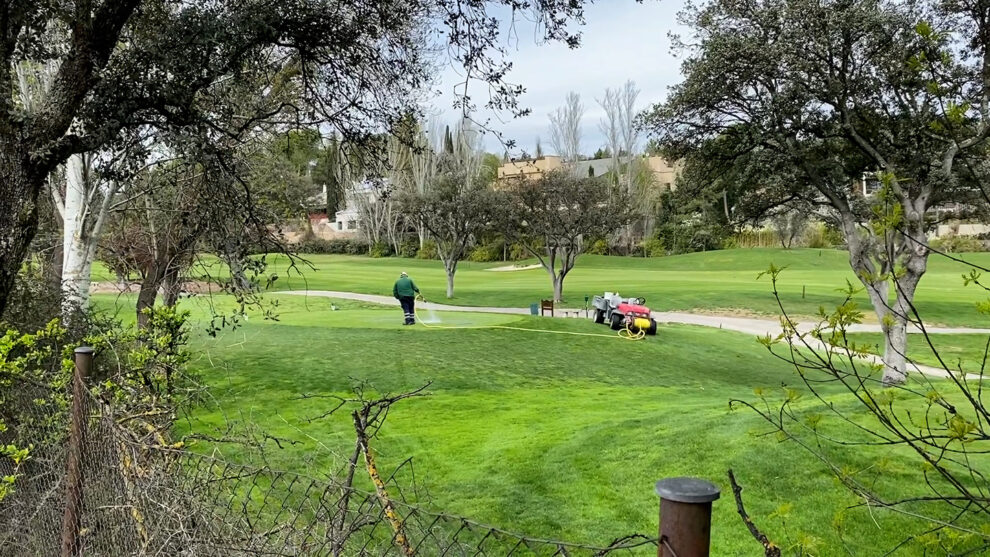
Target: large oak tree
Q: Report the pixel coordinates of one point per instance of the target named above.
(138, 64)
(819, 94)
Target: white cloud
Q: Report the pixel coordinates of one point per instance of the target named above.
(622, 40)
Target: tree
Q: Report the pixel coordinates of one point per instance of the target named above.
(832, 92)
(136, 64)
(80, 195)
(610, 128)
(789, 223)
(422, 167)
(621, 135)
(454, 210)
(552, 216)
(539, 148)
(937, 428)
(565, 128)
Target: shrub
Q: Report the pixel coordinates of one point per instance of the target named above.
(484, 253)
(340, 246)
(654, 247)
(428, 251)
(518, 252)
(755, 238)
(689, 237)
(409, 248)
(957, 244)
(380, 249)
(597, 247)
(822, 235)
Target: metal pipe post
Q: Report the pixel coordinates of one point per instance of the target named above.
(72, 519)
(685, 516)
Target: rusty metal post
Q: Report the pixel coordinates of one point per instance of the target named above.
(685, 517)
(72, 519)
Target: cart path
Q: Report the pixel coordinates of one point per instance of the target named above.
(746, 325)
(756, 327)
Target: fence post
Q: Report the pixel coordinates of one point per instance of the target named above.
(685, 516)
(73, 475)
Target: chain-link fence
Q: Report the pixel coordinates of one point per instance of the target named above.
(139, 496)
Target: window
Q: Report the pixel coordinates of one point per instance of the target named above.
(340, 225)
(351, 224)
(871, 186)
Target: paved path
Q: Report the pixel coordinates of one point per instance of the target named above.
(747, 325)
(752, 326)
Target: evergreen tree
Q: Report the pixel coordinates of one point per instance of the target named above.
(448, 141)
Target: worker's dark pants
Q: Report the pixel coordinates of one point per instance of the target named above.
(409, 308)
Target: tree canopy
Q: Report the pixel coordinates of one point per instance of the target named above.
(354, 67)
(801, 99)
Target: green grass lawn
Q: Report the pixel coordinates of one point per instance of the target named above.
(551, 435)
(956, 351)
(714, 281)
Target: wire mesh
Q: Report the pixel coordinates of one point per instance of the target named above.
(142, 498)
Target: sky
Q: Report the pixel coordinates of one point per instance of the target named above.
(621, 40)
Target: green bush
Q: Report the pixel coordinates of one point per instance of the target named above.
(823, 236)
(428, 251)
(484, 253)
(957, 244)
(690, 237)
(380, 249)
(340, 246)
(517, 252)
(409, 248)
(654, 248)
(597, 247)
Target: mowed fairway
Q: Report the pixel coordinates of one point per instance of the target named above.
(964, 352)
(550, 435)
(714, 281)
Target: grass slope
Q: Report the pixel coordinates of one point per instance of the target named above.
(551, 435)
(720, 280)
(965, 352)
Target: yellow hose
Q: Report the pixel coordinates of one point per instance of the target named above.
(625, 334)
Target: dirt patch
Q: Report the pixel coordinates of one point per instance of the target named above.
(189, 287)
(515, 268)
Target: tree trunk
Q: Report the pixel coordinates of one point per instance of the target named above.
(19, 188)
(172, 286)
(894, 352)
(558, 288)
(911, 264)
(76, 279)
(451, 269)
(149, 292)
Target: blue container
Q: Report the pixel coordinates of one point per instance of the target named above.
(534, 309)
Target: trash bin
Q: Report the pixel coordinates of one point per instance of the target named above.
(534, 309)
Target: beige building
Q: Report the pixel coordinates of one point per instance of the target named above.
(664, 172)
(528, 168)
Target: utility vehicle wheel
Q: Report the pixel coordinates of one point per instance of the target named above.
(653, 327)
(616, 322)
(598, 316)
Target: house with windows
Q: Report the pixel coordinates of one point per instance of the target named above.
(665, 173)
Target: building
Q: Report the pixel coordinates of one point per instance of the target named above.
(664, 172)
(528, 168)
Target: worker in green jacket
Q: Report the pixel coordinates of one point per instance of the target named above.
(405, 291)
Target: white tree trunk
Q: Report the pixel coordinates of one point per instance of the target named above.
(894, 314)
(76, 263)
(84, 209)
(894, 353)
